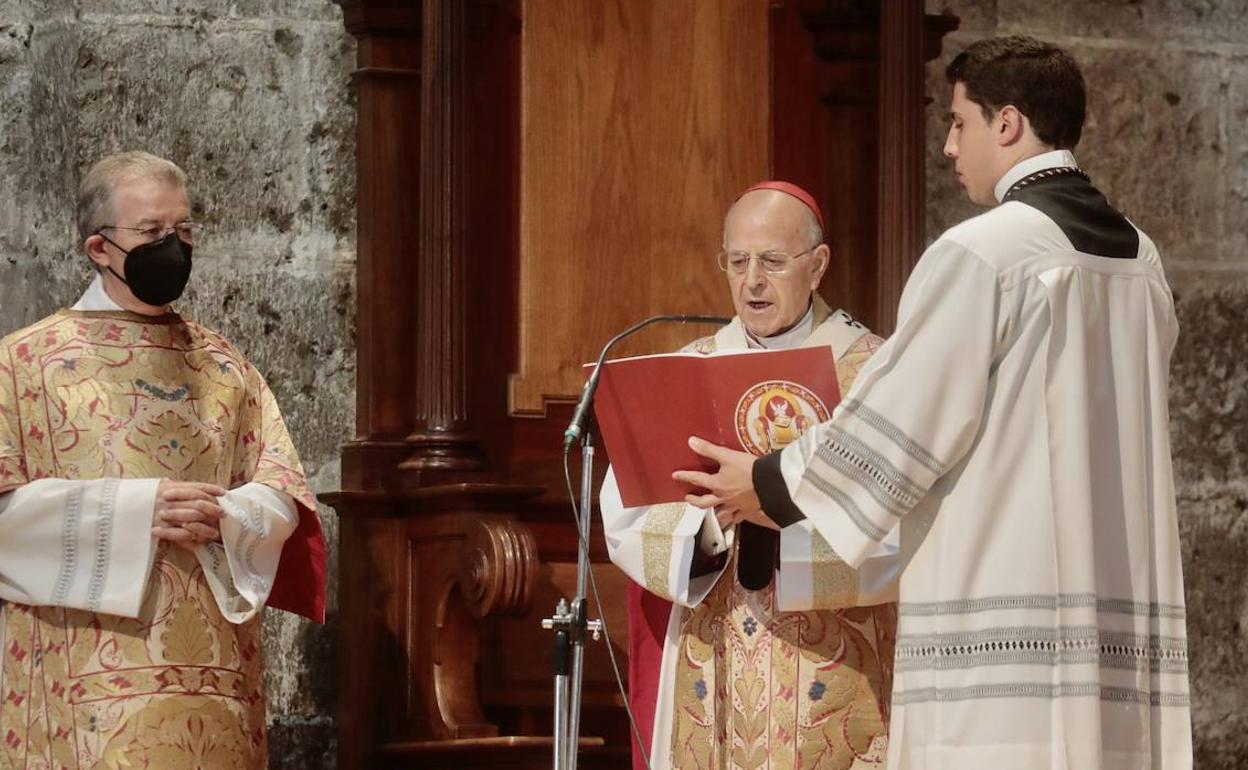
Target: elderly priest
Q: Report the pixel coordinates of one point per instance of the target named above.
(775, 654)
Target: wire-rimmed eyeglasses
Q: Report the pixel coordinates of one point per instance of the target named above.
(187, 231)
(770, 262)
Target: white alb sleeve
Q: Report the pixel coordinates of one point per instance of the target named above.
(655, 545)
(241, 568)
(85, 545)
(912, 413)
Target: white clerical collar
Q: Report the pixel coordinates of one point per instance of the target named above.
(790, 339)
(1028, 166)
(95, 297)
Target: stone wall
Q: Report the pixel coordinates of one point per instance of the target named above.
(1167, 140)
(253, 99)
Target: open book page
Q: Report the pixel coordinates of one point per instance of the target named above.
(757, 401)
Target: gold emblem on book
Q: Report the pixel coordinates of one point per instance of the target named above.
(773, 414)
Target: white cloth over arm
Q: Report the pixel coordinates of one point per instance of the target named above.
(912, 413)
(81, 544)
(240, 569)
(655, 545)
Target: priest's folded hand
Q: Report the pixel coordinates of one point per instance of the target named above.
(187, 513)
(730, 489)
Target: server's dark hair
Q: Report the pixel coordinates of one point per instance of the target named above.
(1041, 80)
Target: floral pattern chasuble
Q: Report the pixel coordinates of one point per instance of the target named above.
(86, 395)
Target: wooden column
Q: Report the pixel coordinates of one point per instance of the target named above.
(387, 84)
(825, 65)
(901, 152)
(442, 440)
(427, 566)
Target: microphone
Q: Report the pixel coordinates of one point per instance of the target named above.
(580, 416)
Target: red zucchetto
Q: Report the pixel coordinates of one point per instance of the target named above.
(788, 188)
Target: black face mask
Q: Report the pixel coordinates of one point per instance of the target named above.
(157, 272)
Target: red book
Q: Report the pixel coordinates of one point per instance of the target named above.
(757, 401)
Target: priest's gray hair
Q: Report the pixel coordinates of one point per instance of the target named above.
(814, 231)
(95, 194)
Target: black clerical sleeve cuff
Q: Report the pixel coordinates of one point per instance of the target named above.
(773, 493)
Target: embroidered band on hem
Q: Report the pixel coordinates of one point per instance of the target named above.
(1043, 602)
(1038, 690)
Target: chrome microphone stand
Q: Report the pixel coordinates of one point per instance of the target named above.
(570, 621)
(572, 626)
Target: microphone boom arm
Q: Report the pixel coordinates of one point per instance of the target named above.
(577, 426)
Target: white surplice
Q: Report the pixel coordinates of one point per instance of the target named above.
(1015, 431)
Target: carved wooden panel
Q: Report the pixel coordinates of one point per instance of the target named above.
(523, 675)
(640, 121)
(824, 100)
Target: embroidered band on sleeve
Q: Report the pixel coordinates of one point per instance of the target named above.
(251, 524)
(907, 491)
(69, 546)
(864, 525)
(893, 433)
(856, 468)
(103, 545)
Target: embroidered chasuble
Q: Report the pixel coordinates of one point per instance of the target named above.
(795, 674)
(1015, 432)
(118, 650)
